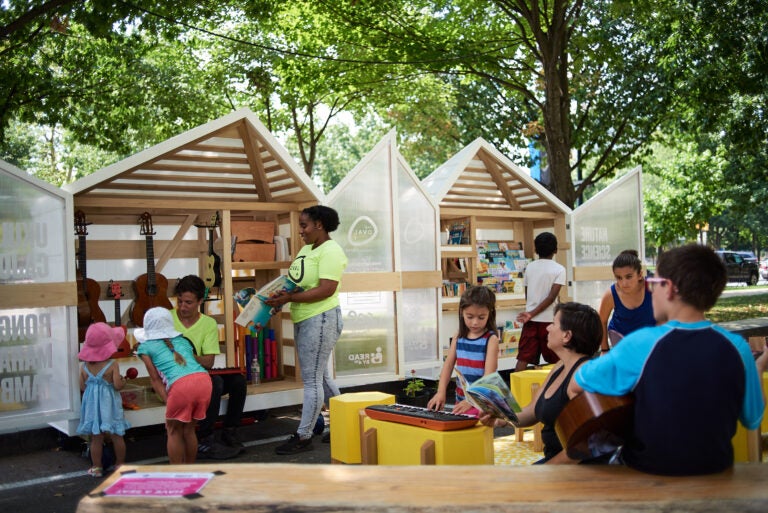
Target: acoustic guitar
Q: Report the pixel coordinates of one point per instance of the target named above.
(116, 291)
(589, 419)
(151, 288)
(88, 290)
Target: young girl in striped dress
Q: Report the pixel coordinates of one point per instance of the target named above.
(474, 348)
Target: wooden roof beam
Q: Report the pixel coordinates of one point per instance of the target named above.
(494, 170)
(251, 144)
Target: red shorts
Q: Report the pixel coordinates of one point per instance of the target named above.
(189, 397)
(533, 343)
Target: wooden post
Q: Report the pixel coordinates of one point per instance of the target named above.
(428, 453)
(369, 454)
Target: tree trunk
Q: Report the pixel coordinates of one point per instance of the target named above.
(552, 32)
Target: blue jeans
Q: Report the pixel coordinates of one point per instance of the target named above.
(315, 338)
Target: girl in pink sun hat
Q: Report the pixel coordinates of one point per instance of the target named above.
(101, 409)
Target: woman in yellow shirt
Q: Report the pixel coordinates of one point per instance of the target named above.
(316, 315)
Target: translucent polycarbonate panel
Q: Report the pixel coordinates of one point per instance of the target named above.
(367, 343)
(35, 367)
(604, 226)
(32, 231)
(609, 223)
(365, 211)
(590, 292)
(36, 362)
(419, 334)
(418, 225)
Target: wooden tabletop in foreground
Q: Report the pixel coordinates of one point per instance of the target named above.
(255, 488)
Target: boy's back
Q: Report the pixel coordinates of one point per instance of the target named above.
(539, 277)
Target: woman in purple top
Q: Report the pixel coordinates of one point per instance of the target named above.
(628, 300)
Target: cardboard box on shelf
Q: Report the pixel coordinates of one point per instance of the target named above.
(254, 252)
(263, 231)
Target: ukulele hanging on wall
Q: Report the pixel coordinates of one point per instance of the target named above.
(116, 291)
(151, 288)
(212, 268)
(88, 290)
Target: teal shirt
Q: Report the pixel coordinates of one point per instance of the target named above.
(164, 361)
(327, 262)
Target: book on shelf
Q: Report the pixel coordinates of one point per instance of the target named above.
(454, 289)
(491, 395)
(457, 233)
(256, 310)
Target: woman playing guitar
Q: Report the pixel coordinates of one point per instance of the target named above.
(575, 336)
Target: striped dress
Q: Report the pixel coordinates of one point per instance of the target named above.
(470, 360)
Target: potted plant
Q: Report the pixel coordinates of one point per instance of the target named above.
(415, 392)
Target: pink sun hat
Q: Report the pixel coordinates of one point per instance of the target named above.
(101, 341)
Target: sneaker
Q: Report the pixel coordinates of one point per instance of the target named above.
(327, 438)
(230, 439)
(211, 450)
(294, 445)
(95, 472)
(319, 425)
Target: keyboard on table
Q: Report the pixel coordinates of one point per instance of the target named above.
(421, 417)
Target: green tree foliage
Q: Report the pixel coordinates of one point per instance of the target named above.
(715, 56)
(684, 189)
(100, 70)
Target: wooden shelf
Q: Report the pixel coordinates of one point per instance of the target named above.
(502, 301)
(260, 266)
(458, 251)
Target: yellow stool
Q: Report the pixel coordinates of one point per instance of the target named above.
(523, 385)
(392, 443)
(764, 425)
(345, 423)
(747, 445)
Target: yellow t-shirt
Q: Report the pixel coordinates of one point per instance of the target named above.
(204, 333)
(326, 262)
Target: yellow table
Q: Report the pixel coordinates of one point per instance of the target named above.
(393, 443)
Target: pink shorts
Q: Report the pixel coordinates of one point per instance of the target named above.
(189, 397)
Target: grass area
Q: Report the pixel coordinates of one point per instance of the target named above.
(739, 307)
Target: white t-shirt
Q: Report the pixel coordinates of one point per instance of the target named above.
(539, 277)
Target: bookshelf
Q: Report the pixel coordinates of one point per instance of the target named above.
(467, 263)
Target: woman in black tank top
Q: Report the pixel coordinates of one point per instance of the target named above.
(575, 337)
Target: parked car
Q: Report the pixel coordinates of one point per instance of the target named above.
(764, 269)
(739, 269)
(748, 256)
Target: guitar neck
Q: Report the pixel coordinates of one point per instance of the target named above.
(150, 263)
(81, 257)
(117, 312)
(210, 241)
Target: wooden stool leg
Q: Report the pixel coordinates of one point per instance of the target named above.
(754, 446)
(369, 451)
(519, 434)
(428, 453)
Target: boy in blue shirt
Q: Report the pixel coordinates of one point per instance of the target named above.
(691, 379)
